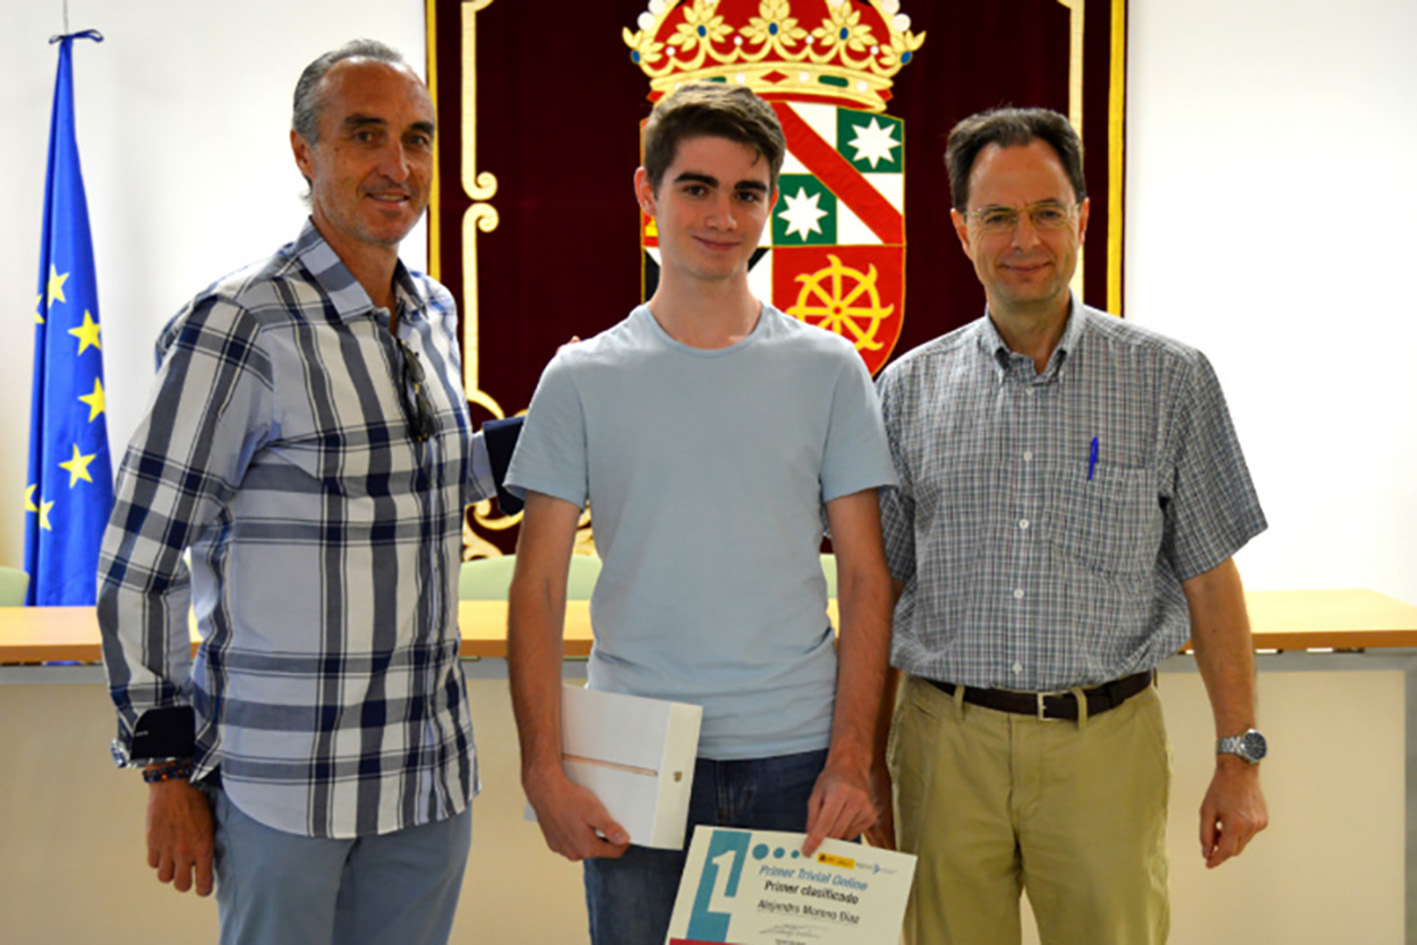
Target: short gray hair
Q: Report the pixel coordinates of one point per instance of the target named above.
(305, 118)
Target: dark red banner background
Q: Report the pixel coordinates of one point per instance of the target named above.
(558, 107)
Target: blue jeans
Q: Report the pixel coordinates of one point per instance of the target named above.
(276, 888)
(629, 900)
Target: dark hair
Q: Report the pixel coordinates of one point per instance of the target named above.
(1011, 127)
(305, 117)
(713, 109)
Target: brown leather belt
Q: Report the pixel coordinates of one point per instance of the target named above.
(1049, 706)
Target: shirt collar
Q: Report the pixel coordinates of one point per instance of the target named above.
(1077, 323)
(993, 346)
(345, 293)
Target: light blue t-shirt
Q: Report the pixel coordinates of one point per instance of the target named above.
(706, 472)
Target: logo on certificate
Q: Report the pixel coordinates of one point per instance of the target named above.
(756, 888)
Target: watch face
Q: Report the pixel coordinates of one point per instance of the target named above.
(1253, 745)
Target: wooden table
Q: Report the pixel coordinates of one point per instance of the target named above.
(1282, 620)
(1338, 619)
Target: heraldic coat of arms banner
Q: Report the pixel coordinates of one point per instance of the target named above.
(531, 226)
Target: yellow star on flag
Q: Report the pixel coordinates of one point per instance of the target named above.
(43, 508)
(87, 333)
(56, 286)
(94, 400)
(78, 467)
(38, 314)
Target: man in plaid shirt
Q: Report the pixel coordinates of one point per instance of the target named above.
(1071, 493)
(309, 449)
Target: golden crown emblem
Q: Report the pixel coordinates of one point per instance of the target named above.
(840, 51)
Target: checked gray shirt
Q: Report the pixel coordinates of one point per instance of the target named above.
(324, 542)
(1031, 560)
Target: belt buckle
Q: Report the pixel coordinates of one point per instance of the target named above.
(1043, 708)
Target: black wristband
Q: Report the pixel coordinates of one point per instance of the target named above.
(179, 770)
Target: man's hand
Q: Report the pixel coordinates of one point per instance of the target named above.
(1233, 810)
(882, 835)
(180, 835)
(573, 821)
(840, 807)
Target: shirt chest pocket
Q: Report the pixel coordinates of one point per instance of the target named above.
(1111, 522)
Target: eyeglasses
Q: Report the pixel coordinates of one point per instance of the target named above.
(422, 419)
(1045, 215)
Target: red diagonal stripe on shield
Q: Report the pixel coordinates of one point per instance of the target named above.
(844, 180)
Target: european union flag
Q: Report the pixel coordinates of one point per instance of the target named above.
(70, 487)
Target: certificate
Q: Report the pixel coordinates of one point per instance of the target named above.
(755, 888)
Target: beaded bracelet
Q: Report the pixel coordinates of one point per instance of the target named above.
(179, 770)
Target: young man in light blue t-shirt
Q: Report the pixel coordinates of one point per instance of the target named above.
(710, 432)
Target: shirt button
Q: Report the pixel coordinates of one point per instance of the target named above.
(1017, 668)
(1028, 456)
(1023, 523)
(1018, 594)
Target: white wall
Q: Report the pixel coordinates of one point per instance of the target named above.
(182, 114)
(1271, 210)
(1269, 220)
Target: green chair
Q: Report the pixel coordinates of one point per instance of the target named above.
(829, 572)
(486, 578)
(13, 584)
(489, 578)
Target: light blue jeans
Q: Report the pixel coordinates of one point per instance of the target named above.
(275, 888)
(629, 900)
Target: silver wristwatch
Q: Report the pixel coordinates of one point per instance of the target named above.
(1250, 745)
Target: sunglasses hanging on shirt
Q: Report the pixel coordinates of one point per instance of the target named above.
(422, 419)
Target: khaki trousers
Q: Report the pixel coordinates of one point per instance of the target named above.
(995, 803)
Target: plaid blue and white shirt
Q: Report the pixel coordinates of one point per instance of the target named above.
(324, 542)
(1030, 560)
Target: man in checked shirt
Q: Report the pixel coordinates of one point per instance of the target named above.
(1071, 493)
(309, 445)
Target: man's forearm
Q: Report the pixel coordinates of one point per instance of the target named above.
(534, 634)
(535, 627)
(861, 674)
(864, 608)
(1220, 633)
(847, 800)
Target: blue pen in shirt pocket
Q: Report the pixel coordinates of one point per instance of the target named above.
(1092, 460)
